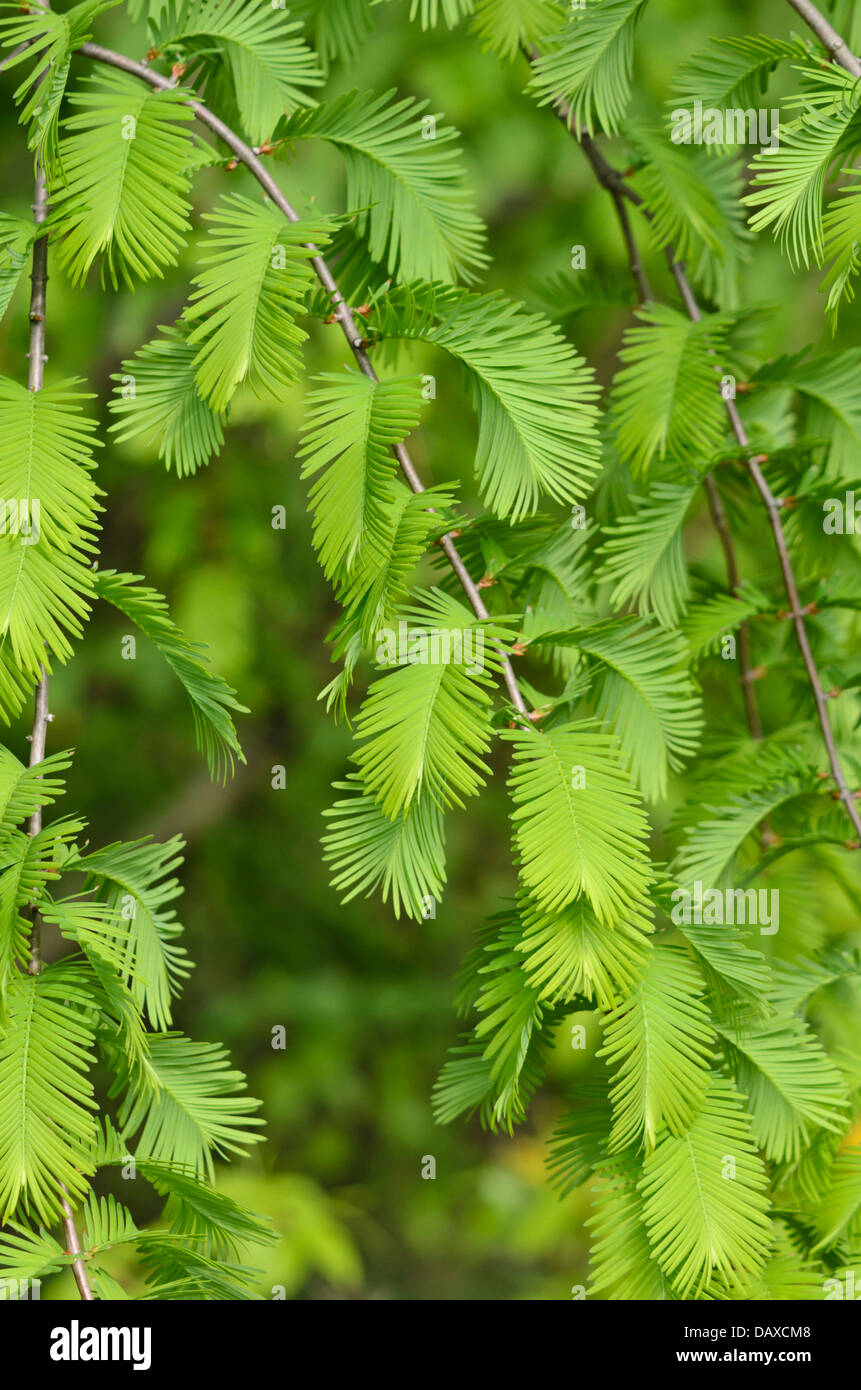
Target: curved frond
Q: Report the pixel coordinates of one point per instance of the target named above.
(424, 726)
(789, 181)
(48, 523)
(702, 1222)
(839, 1215)
(133, 881)
(404, 182)
(351, 426)
(665, 396)
(126, 169)
(841, 229)
(46, 1122)
(707, 623)
(106, 1223)
(792, 1086)
(589, 64)
(507, 26)
(712, 844)
(579, 1141)
(189, 1105)
(27, 1255)
(644, 556)
(379, 583)
(680, 192)
(829, 383)
(210, 1221)
(269, 63)
(52, 37)
(339, 27)
(213, 701)
(176, 1271)
(513, 1024)
(534, 396)
(644, 694)
(498, 1070)
(735, 973)
(659, 1042)
(579, 825)
(622, 1264)
(569, 952)
(734, 72)
(158, 396)
(24, 789)
(404, 857)
(252, 286)
(27, 864)
(16, 240)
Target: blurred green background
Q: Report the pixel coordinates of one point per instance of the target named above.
(366, 1001)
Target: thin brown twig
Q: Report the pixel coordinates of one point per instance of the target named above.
(611, 179)
(42, 716)
(73, 1247)
(15, 53)
(634, 259)
(721, 525)
(754, 466)
(41, 719)
(835, 45)
(341, 311)
(35, 381)
(633, 250)
(839, 52)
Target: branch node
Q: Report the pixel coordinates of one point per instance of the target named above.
(799, 613)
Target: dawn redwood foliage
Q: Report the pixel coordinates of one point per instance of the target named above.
(563, 620)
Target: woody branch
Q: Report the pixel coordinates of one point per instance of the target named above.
(611, 179)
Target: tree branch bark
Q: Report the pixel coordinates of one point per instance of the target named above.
(615, 183)
(42, 716)
(35, 380)
(836, 47)
(73, 1247)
